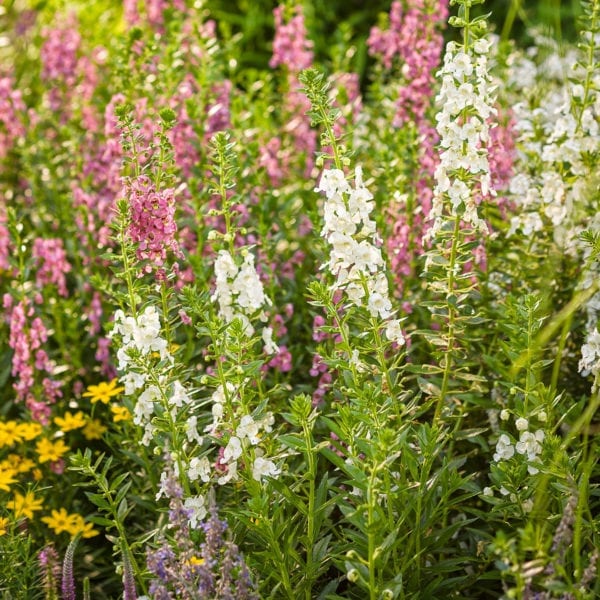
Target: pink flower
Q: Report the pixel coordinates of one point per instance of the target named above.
(59, 53)
(12, 112)
(291, 47)
(152, 225)
(52, 264)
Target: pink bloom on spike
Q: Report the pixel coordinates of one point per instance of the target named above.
(153, 225)
(12, 112)
(59, 53)
(291, 46)
(51, 261)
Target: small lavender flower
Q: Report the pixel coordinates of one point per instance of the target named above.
(50, 567)
(68, 581)
(215, 570)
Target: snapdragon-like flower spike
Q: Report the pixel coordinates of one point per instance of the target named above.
(355, 259)
(467, 103)
(238, 292)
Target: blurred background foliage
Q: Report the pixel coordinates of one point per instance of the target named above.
(333, 25)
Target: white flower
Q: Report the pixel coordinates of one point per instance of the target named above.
(590, 353)
(393, 332)
(529, 443)
(504, 414)
(132, 381)
(379, 305)
(487, 491)
(263, 467)
(521, 424)
(149, 431)
(249, 428)
(199, 469)
(196, 505)
(268, 422)
(504, 448)
(333, 182)
(233, 450)
(270, 346)
(144, 408)
(230, 475)
(191, 430)
(179, 396)
(162, 488)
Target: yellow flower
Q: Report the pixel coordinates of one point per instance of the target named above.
(3, 525)
(29, 431)
(24, 506)
(19, 464)
(78, 525)
(195, 560)
(70, 421)
(6, 478)
(93, 430)
(103, 392)
(49, 451)
(10, 433)
(60, 520)
(120, 413)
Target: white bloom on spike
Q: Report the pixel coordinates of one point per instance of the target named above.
(191, 430)
(504, 448)
(179, 397)
(270, 346)
(264, 468)
(196, 507)
(199, 469)
(590, 354)
(233, 450)
(249, 428)
(230, 475)
(521, 424)
(529, 443)
(355, 258)
(144, 408)
(466, 104)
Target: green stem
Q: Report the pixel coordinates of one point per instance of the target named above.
(590, 66)
(451, 333)
(559, 352)
(513, 10)
(114, 509)
(127, 268)
(329, 129)
(311, 537)
(371, 493)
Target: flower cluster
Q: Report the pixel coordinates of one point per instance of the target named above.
(152, 225)
(214, 570)
(12, 108)
(356, 260)
(53, 265)
(466, 105)
(141, 340)
(238, 289)
(528, 445)
(412, 37)
(291, 46)
(246, 435)
(27, 337)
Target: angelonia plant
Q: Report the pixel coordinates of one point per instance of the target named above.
(321, 327)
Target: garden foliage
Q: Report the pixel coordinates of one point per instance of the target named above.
(284, 332)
